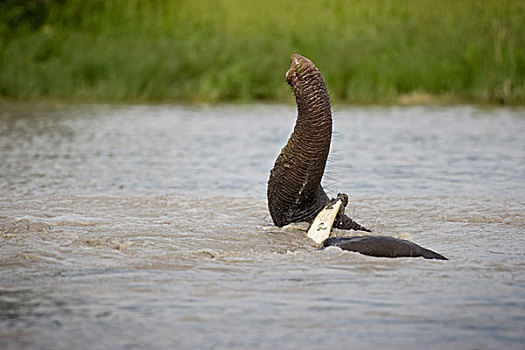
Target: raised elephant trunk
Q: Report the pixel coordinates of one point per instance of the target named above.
(294, 189)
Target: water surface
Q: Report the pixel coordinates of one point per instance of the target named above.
(147, 227)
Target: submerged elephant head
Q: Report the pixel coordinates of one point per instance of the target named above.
(294, 188)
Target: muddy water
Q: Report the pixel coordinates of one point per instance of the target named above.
(147, 227)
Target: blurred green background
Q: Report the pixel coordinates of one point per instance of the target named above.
(374, 51)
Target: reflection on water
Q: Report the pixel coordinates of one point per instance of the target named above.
(147, 227)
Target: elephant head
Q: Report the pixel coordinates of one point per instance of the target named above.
(294, 188)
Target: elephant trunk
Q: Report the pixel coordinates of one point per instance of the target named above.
(294, 188)
(294, 192)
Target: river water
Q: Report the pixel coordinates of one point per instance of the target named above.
(146, 226)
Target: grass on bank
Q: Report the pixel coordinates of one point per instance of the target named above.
(233, 50)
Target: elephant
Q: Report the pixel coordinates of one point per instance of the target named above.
(295, 193)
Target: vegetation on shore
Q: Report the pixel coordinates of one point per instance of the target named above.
(234, 50)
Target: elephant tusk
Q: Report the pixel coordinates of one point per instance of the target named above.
(321, 227)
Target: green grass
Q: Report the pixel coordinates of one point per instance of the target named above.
(233, 50)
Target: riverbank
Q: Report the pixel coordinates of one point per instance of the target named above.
(215, 51)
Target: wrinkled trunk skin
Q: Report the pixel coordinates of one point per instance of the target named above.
(294, 189)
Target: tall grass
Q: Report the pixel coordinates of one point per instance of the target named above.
(236, 50)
